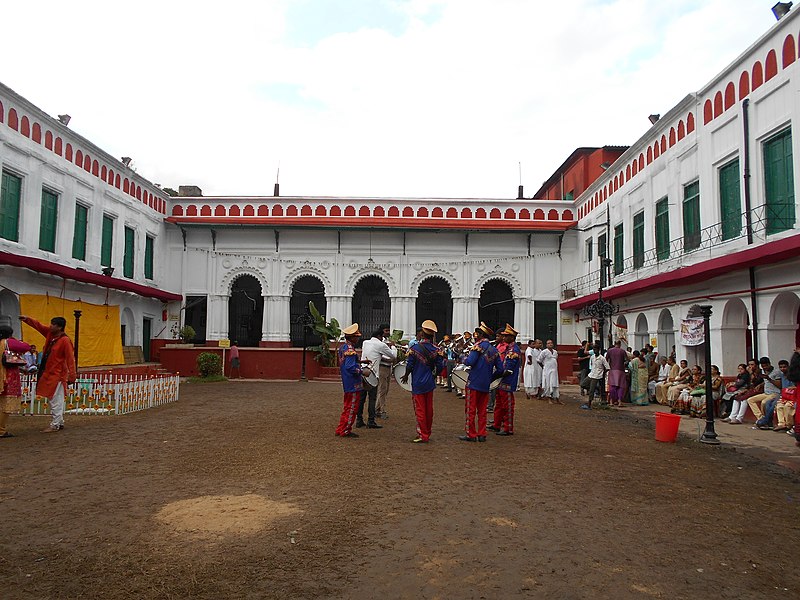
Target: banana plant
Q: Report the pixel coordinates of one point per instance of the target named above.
(328, 332)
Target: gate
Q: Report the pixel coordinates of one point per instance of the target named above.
(496, 304)
(435, 302)
(371, 304)
(306, 289)
(245, 311)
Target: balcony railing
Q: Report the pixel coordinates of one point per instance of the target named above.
(766, 220)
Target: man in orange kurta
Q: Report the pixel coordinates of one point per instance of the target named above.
(58, 367)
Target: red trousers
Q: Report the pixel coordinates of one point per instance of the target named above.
(475, 402)
(423, 409)
(349, 411)
(504, 410)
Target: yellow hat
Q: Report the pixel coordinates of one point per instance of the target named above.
(430, 326)
(351, 330)
(484, 328)
(509, 330)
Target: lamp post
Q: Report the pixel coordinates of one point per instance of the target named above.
(306, 320)
(77, 314)
(601, 310)
(709, 435)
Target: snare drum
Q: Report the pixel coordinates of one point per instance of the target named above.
(398, 371)
(369, 378)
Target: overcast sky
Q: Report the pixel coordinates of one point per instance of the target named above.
(431, 98)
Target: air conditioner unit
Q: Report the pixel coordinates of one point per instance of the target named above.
(569, 293)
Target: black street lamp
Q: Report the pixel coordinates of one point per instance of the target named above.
(306, 320)
(709, 435)
(76, 345)
(601, 310)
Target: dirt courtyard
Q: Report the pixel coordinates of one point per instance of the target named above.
(241, 490)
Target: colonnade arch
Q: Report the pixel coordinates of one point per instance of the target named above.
(435, 302)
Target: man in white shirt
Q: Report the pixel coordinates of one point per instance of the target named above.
(31, 360)
(663, 375)
(382, 357)
(598, 367)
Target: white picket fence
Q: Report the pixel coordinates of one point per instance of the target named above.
(105, 394)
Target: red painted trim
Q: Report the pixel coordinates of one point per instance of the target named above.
(390, 222)
(769, 253)
(45, 266)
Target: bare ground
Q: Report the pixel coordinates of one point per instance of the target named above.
(241, 490)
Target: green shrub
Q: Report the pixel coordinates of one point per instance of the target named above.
(209, 364)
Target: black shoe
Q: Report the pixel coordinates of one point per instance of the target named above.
(466, 438)
(481, 438)
(504, 433)
(351, 434)
(360, 424)
(493, 428)
(374, 426)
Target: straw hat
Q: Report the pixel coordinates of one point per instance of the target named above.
(446, 338)
(485, 329)
(429, 326)
(351, 330)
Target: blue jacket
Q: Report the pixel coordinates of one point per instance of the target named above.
(423, 369)
(350, 367)
(484, 360)
(511, 363)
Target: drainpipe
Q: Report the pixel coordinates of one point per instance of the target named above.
(749, 220)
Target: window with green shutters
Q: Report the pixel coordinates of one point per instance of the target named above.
(730, 202)
(691, 216)
(48, 220)
(602, 251)
(589, 249)
(9, 206)
(619, 250)
(148, 257)
(779, 182)
(662, 229)
(127, 260)
(638, 240)
(107, 245)
(79, 233)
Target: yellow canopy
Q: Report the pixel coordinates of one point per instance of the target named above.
(100, 338)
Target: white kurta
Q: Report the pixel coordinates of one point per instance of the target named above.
(549, 361)
(532, 373)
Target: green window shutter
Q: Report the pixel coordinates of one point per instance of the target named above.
(638, 240)
(148, 257)
(691, 216)
(127, 261)
(779, 182)
(48, 220)
(662, 229)
(589, 250)
(108, 241)
(619, 249)
(9, 206)
(602, 250)
(730, 202)
(79, 233)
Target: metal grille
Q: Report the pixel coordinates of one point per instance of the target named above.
(435, 302)
(371, 304)
(245, 311)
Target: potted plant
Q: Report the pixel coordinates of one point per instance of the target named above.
(187, 334)
(328, 332)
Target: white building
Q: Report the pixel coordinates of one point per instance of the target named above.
(701, 210)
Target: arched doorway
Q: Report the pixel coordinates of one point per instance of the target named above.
(9, 311)
(620, 330)
(371, 304)
(642, 333)
(435, 302)
(666, 333)
(127, 327)
(737, 343)
(496, 304)
(304, 290)
(245, 311)
(695, 355)
(784, 326)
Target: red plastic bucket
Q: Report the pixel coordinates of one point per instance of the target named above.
(667, 426)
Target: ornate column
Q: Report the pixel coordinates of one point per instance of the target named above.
(403, 315)
(217, 317)
(275, 323)
(523, 315)
(340, 307)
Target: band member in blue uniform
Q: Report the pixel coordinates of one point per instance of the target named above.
(350, 367)
(484, 362)
(504, 407)
(423, 362)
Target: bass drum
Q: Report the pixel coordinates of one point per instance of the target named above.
(398, 371)
(460, 376)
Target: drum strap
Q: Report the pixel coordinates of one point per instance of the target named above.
(427, 357)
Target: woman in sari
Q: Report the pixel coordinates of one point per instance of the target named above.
(10, 386)
(639, 378)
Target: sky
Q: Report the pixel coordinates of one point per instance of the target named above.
(371, 98)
